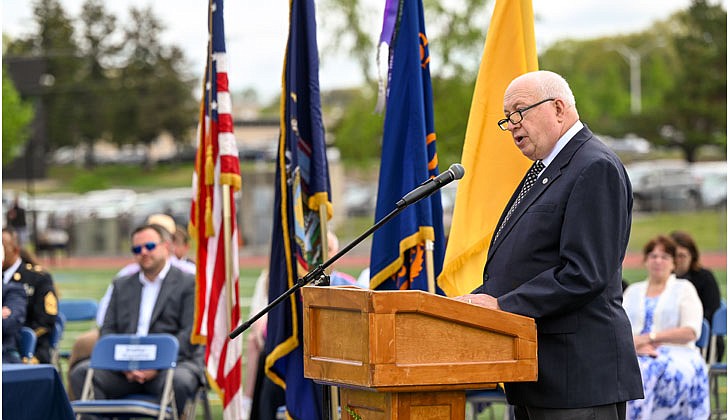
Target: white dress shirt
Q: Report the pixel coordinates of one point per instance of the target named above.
(8, 274)
(150, 292)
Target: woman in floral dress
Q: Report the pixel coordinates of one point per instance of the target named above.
(666, 316)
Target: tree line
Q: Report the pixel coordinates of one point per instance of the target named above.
(104, 80)
(122, 84)
(683, 83)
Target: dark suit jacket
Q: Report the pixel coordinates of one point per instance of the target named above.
(558, 260)
(14, 298)
(172, 314)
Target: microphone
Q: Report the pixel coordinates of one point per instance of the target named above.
(428, 187)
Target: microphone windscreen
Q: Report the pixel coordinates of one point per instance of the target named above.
(458, 170)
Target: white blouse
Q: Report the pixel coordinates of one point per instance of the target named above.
(677, 306)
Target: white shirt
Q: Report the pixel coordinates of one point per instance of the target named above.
(150, 292)
(561, 143)
(8, 274)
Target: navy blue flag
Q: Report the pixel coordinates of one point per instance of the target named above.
(302, 191)
(409, 158)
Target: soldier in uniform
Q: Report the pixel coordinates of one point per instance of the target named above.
(42, 300)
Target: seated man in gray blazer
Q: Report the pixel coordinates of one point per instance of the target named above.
(158, 299)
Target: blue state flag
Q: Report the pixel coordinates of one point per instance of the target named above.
(409, 157)
(302, 195)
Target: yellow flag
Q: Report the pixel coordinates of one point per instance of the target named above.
(493, 165)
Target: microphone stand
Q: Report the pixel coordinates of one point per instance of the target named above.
(317, 272)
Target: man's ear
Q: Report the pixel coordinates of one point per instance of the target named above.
(560, 107)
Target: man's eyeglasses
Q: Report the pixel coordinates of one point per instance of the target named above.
(516, 116)
(137, 249)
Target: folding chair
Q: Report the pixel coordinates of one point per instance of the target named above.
(717, 368)
(56, 336)
(122, 352)
(704, 339)
(74, 310)
(200, 397)
(78, 309)
(26, 343)
(488, 397)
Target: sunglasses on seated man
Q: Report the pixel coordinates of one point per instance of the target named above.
(137, 249)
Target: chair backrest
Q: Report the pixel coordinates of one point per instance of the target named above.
(78, 309)
(26, 343)
(718, 328)
(719, 320)
(702, 342)
(57, 332)
(130, 352)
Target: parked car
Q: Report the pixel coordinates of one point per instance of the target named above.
(713, 177)
(664, 186)
(360, 199)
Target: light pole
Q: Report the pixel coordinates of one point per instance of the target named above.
(633, 57)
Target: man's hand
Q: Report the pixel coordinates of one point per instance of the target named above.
(486, 301)
(141, 376)
(6, 312)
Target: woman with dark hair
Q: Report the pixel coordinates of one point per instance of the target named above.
(667, 318)
(688, 266)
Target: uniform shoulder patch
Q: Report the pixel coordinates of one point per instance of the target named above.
(51, 303)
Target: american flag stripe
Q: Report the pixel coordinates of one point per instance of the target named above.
(216, 165)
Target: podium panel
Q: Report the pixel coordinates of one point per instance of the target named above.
(402, 405)
(411, 354)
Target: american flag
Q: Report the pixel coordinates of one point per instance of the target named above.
(217, 166)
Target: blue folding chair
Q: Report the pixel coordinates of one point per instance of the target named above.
(56, 336)
(121, 352)
(74, 310)
(78, 309)
(26, 343)
(717, 368)
(704, 339)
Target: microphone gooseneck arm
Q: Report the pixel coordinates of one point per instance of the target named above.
(314, 274)
(456, 171)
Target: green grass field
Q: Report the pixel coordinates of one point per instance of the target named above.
(708, 227)
(92, 283)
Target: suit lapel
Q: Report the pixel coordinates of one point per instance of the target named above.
(134, 303)
(550, 174)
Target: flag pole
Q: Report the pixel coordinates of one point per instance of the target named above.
(430, 261)
(333, 390)
(227, 232)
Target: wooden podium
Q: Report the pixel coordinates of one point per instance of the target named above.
(410, 354)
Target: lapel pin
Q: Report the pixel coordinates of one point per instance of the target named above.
(545, 180)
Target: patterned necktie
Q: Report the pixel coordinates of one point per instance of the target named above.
(531, 176)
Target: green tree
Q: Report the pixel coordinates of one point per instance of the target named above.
(694, 112)
(54, 42)
(17, 116)
(600, 77)
(455, 30)
(94, 83)
(153, 93)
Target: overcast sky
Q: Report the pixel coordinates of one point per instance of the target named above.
(256, 31)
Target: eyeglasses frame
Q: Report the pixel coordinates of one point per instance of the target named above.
(503, 124)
